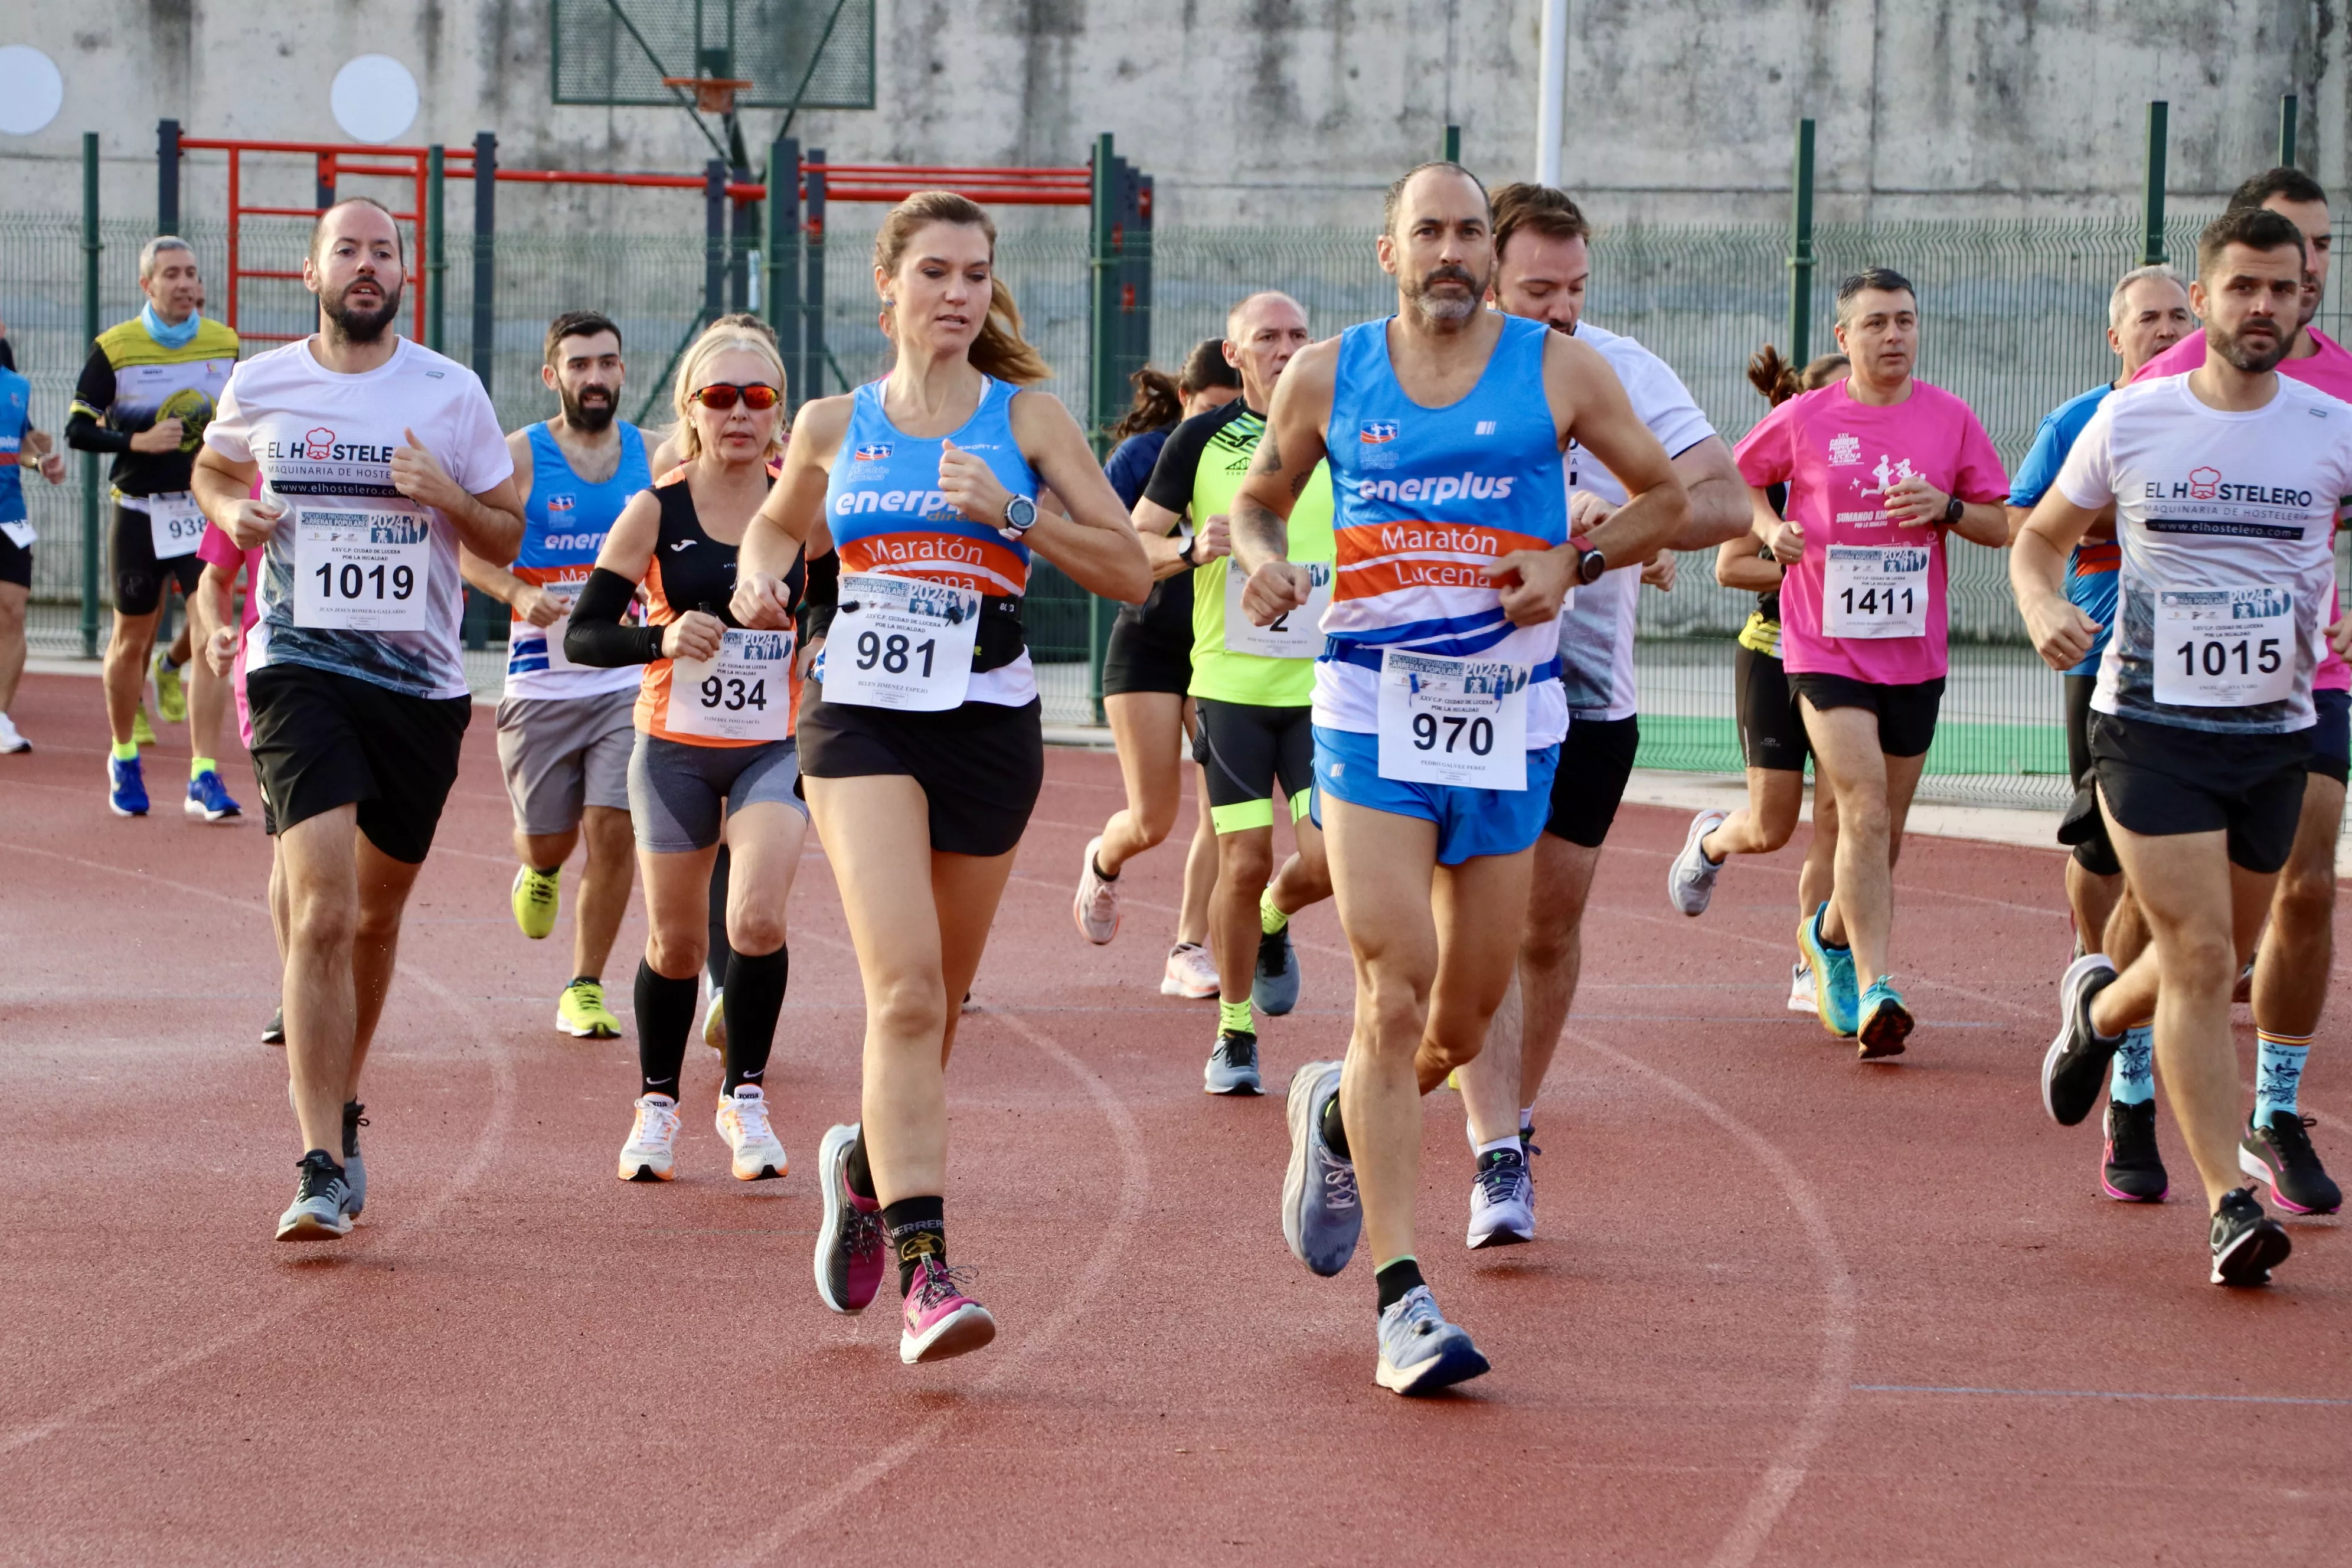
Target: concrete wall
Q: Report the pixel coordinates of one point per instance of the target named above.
(1296, 111)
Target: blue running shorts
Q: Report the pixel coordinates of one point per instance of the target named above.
(1470, 822)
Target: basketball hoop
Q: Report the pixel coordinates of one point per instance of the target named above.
(713, 94)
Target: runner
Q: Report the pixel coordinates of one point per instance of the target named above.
(1771, 730)
(714, 720)
(2225, 483)
(17, 437)
(145, 396)
(1147, 669)
(565, 734)
(1253, 688)
(219, 626)
(1879, 467)
(378, 459)
(1438, 713)
(922, 753)
(1543, 261)
(2291, 965)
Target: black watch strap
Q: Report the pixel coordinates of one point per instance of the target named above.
(1952, 510)
(1590, 567)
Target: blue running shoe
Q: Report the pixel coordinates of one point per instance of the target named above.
(1233, 1064)
(209, 798)
(1420, 1353)
(1275, 988)
(1836, 999)
(1321, 1215)
(1886, 1022)
(126, 787)
(354, 1168)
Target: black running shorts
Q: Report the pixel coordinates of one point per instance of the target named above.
(138, 578)
(1142, 656)
(2095, 854)
(1249, 749)
(322, 739)
(1771, 733)
(1595, 761)
(1907, 714)
(16, 563)
(2161, 780)
(980, 766)
(2331, 738)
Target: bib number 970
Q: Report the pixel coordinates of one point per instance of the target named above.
(1470, 737)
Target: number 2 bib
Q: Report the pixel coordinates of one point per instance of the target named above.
(900, 642)
(1875, 591)
(1456, 722)
(745, 693)
(1295, 633)
(2224, 648)
(361, 570)
(175, 525)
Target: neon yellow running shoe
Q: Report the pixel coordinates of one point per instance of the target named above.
(143, 734)
(582, 1012)
(171, 695)
(535, 900)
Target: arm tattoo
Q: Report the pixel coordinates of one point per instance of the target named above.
(1269, 457)
(1258, 530)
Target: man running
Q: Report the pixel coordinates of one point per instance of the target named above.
(18, 437)
(2295, 960)
(146, 396)
(2147, 313)
(379, 458)
(1438, 710)
(565, 730)
(2225, 484)
(1880, 468)
(1542, 263)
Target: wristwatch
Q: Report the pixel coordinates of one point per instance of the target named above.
(1590, 565)
(1020, 517)
(1185, 554)
(1952, 510)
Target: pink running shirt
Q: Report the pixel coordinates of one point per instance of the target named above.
(217, 549)
(1839, 457)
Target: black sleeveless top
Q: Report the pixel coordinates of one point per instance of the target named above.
(692, 570)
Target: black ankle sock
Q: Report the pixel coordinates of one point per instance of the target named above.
(860, 1174)
(755, 995)
(917, 1229)
(1096, 866)
(665, 1015)
(1334, 1135)
(1395, 1279)
(719, 952)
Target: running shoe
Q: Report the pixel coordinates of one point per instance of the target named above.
(850, 1249)
(1800, 988)
(1233, 1064)
(143, 734)
(941, 1321)
(653, 1141)
(1096, 906)
(1420, 1353)
(742, 1120)
(171, 695)
(714, 1022)
(2247, 1243)
(274, 1032)
(2074, 1068)
(1502, 1201)
(2281, 1153)
(1321, 1215)
(354, 1168)
(11, 742)
(317, 1212)
(209, 798)
(126, 787)
(1886, 1022)
(1191, 973)
(534, 899)
(1835, 1000)
(1690, 880)
(581, 1013)
(1275, 987)
(2133, 1171)
(2243, 991)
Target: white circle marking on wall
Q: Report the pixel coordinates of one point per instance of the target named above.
(31, 90)
(374, 99)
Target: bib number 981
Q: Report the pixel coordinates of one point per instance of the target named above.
(894, 653)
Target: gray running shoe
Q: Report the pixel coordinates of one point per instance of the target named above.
(1275, 988)
(1690, 880)
(1232, 1065)
(1420, 1353)
(2074, 1068)
(1320, 1213)
(354, 1169)
(1502, 1201)
(316, 1213)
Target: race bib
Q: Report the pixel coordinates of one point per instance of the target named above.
(1875, 591)
(20, 534)
(1295, 633)
(745, 693)
(2224, 648)
(1457, 722)
(175, 524)
(362, 570)
(900, 642)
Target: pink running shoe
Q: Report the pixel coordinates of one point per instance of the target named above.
(941, 1321)
(850, 1250)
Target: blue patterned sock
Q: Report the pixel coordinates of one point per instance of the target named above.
(2133, 1081)
(2278, 1069)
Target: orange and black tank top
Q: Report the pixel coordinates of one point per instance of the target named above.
(692, 570)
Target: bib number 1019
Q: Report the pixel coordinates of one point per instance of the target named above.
(349, 580)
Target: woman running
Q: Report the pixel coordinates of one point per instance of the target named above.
(923, 754)
(714, 745)
(1771, 735)
(1146, 671)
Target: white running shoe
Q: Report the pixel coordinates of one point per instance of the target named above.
(1096, 907)
(653, 1141)
(1801, 989)
(1690, 880)
(714, 1022)
(1502, 1201)
(743, 1121)
(1191, 972)
(11, 742)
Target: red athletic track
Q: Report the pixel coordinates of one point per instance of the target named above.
(1755, 1255)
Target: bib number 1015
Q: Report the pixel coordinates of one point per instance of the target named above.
(2218, 659)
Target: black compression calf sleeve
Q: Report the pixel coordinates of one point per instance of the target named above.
(719, 952)
(665, 1017)
(755, 995)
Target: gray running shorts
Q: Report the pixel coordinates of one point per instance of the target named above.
(560, 755)
(676, 791)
